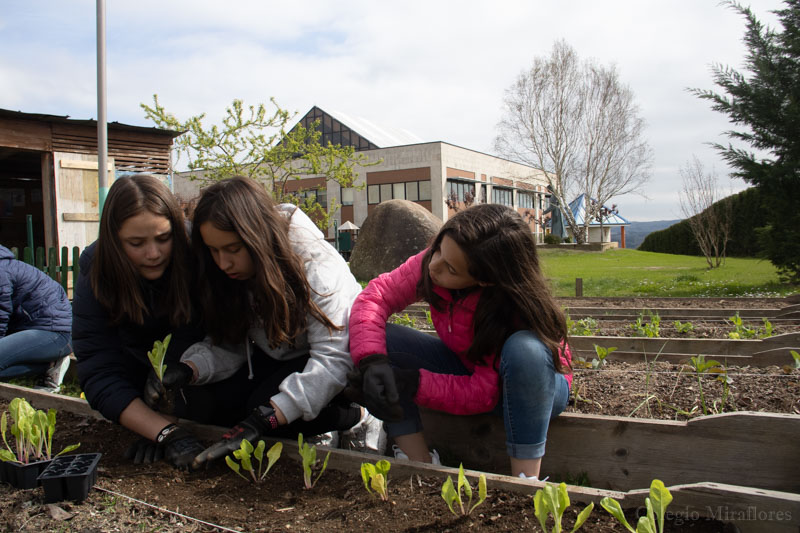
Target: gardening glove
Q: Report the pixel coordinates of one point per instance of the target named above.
(175, 377)
(180, 446)
(407, 381)
(355, 385)
(379, 388)
(258, 424)
(144, 451)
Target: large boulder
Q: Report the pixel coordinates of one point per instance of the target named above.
(393, 232)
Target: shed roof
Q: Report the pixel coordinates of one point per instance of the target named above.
(65, 119)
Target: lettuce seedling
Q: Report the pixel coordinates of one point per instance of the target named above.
(451, 495)
(796, 357)
(32, 431)
(376, 476)
(554, 501)
(157, 354)
(244, 454)
(656, 505)
(308, 454)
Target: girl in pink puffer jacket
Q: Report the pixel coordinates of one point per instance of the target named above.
(502, 337)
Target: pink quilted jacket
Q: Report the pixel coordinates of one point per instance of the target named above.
(392, 292)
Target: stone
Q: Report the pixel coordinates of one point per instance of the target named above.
(393, 232)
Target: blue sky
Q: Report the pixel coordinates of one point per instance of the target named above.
(436, 68)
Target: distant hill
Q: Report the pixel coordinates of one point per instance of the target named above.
(637, 231)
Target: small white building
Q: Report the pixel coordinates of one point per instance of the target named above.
(598, 232)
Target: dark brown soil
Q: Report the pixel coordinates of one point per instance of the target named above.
(159, 498)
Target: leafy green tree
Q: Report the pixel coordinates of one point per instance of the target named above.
(253, 142)
(766, 101)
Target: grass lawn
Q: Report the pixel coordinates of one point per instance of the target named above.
(624, 272)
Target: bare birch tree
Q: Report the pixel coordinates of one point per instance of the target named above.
(710, 220)
(577, 122)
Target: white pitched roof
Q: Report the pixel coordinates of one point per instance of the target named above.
(578, 208)
(379, 135)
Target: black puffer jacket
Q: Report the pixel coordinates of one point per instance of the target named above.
(30, 299)
(112, 360)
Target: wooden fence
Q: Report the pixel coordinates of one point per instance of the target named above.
(55, 266)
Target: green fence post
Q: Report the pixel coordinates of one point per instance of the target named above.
(40, 259)
(29, 227)
(64, 270)
(52, 263)
(27, 255)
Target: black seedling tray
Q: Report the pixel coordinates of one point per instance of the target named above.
(22, 476)
(69, 477)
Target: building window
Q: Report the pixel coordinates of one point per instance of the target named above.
(460, 191)
(502, 196)
(313, 195)
(348, 195)
(399, 191)
(373, 194)
(525, 199)
(412, 191)
(424, 191)
(405, 190)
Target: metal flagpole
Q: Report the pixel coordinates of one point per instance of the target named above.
(102, 130)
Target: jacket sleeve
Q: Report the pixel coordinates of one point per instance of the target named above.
(470, 394)
(6, 305)
(107, 377)
(333, 288)
(388, 293)
(214, 363)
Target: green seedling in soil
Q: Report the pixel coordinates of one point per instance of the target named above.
(595, 363)
(429, 319)
(308, 454)
(649, 365)
(32, 430)
(451, 494)
(646, 329)
(246, 452)
(376, 477)
(403, 320)
(796, 357)
(743, 331)
(683, 327)
(712, 366)
(583, 328)
(656, 505)
(554, 501)
(157, 354)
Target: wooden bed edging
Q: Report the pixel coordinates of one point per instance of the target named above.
(753, 510)
(764, 352)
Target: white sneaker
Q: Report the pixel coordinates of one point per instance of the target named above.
(532, 478)
(400, 454)
(51, 381)
(366, 436)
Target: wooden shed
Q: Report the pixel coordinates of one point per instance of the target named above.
(48, 169)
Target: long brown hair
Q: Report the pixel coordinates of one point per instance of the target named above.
(278, 295)
(501, 252)
(115, 281)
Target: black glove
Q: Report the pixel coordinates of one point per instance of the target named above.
(379, 387)
(180, 446)
(407, 381)
(258, 424)
(155, 390)
(144, 451)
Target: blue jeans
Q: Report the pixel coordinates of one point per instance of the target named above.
(30, 351)
(532, 391)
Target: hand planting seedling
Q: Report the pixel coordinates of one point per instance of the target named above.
(451, 495)
(656, 505)
(244, 453)
(33, 433)
(554, 501)
(308, 454)
(375, 476)
(157, 354)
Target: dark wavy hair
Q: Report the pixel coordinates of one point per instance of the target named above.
(278, 296)
(115, 281)
(501, 252)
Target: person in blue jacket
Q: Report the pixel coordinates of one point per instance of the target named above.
(35, 321)
(134, 289)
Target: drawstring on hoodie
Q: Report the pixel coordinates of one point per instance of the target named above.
(249, 359)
